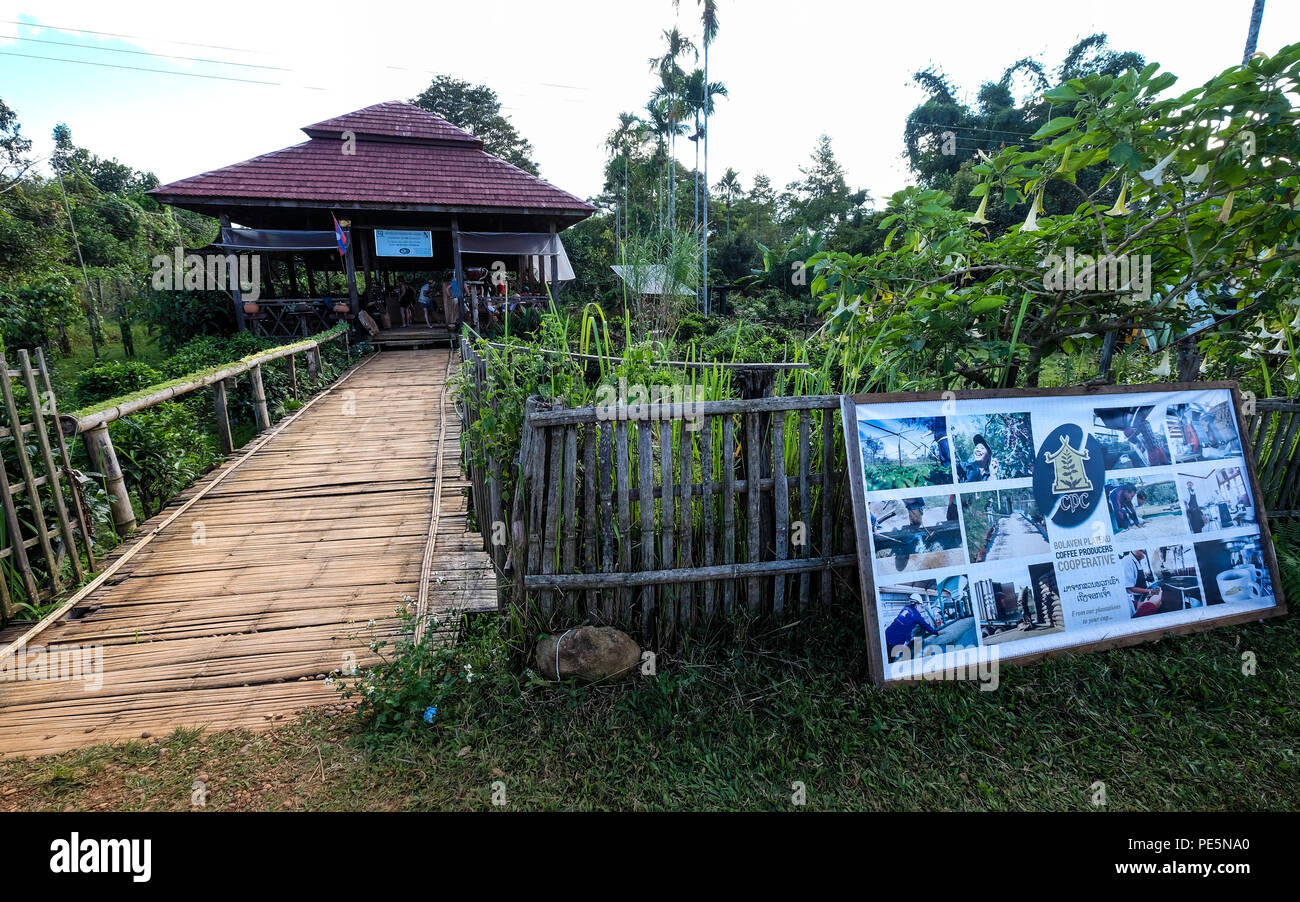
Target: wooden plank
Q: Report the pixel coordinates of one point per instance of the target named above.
(667, 527)
(805, 507)
(728, 508)
(827, 539)
(552, 439)
(706, 502)
(753, 498)
(685, 556)
(646, 506)
(623, 466)
(781, 510)
(590, 525)
(569, 513)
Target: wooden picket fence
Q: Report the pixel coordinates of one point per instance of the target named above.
(1274, 431)
(47, 528)
(667, 524)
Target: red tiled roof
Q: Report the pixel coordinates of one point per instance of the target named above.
(394, 119)
(404, 155)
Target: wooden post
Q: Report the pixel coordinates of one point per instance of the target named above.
(313, 366)
(293, 375)
(351, 269)
(234, 287)
(222, 416)
(99, 448)
(555, 267)
(260, 413)
(365, 265)
(462, 292)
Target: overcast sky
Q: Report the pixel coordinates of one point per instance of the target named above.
(564, 70)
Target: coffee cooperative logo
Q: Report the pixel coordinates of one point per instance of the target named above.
(1069, 476)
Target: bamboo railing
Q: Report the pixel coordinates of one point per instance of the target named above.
(93, 426)
(46, 527)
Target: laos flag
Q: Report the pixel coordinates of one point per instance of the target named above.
(339, 236)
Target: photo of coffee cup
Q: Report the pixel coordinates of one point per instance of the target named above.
(1239, 584)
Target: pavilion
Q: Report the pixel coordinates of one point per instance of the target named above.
(413, 193)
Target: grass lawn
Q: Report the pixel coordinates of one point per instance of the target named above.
(1172, 725)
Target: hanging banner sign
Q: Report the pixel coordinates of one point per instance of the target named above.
(401, 243)
(1004, 525)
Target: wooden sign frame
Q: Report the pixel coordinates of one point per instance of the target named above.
(862, 524)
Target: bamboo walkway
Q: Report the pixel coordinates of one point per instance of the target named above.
(233, 615)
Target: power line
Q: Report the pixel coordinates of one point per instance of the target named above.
(134, 37)
(192, 59)
(250, 81)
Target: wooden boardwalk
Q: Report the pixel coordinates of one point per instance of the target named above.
(235, 612)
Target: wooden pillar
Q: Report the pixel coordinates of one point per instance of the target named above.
(234, 287)
(460, 271)
(260, 413)
(313, 365)
(311, 278)
(99, 448)
(555, 267)
(365, 266)
(221, 413)
(351, 270)
(293, 375)
(293, 276)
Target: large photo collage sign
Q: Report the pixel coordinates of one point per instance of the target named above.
(1034, 522)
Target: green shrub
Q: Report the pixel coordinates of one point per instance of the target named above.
(111, 380)
(162, 450)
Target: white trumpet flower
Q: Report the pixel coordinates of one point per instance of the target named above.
(1031, 221)
(1156, 174)
(1199, 174)
(1162, 370)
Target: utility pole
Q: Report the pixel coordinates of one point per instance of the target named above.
(1252, 36)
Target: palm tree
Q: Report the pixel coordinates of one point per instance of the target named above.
(630, 129)
(657, 123)
(709, 21)
(670, 94)
(729, 187)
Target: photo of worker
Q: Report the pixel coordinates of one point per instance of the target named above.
(917, 533)
(1234, 570)
(1142, 510)
(1174, 568)
(1140, 585)
(1202, 432)
(905, 453)
(992, 446)
(918, 615)
(1003, 524)
(1019, 604)
(1217, 500)
(1129, 439)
